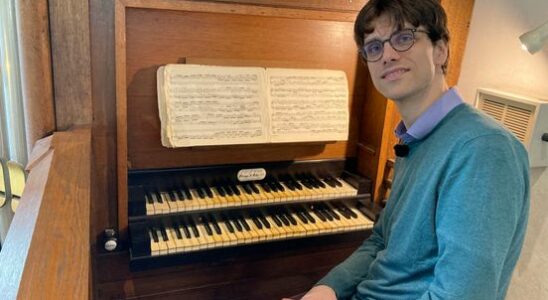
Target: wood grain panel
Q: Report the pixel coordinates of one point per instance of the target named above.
(47, 248)
(121, 116)
(104, 206)
(268, 271)
(459, 14)
(371, 128)
(70, 47)
(337, 5)
(297, 10)
(36, 74)
(157, 37)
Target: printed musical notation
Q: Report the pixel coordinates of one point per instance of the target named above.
(212, 105)
(308, 105)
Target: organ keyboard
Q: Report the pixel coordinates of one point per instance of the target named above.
(174, 213)
(184, 199)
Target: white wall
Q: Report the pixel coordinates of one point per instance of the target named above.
(493, 59)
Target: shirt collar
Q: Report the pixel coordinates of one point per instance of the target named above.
(428, 120)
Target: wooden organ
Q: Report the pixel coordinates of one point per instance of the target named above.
(185, 207)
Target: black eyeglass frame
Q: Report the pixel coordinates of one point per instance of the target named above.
(389, 40)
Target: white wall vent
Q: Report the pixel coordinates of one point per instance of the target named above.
(525, 117)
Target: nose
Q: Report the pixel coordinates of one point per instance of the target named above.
(389, 53)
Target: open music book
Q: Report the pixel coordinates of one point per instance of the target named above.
(212, 105)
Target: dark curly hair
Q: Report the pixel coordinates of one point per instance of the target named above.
(428, 13)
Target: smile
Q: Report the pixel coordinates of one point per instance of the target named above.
(394, 74)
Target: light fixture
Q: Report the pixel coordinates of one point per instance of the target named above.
(534, 40)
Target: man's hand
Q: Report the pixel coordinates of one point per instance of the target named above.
(319, 292)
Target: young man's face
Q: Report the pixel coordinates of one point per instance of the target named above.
(403, 75)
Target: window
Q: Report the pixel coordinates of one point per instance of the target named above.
(12, 123)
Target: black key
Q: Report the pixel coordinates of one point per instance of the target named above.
(264, 220)
(279, 186)
(326, 214)
(158, 197)
(282, 217)
(319, 182)
(151, 197)
(228, 225)
(180, 194)
(329, 182)
(201, 192)
(301, 216)
(347, 210)
(276, 220)
(290, 185)
(257, 222)
(320, 207)
(311, 181)
(215, 224)
(247, 189)
(304, 181)
(297, 185)
(272, 186)
(172, 196)
(148, 198)
(177, 230)
(228, 190)
(254, 188)
(237, 224)
(188, 195)
(208, 191)
(290, 217)
(265, 187)
(353, 214)
(344, 212)
(336, 181)
(185, 230)
(332, 212)
(154, 235)
(235, 190)
(221, 190)
(193, 228)
(309, 216)
(164, 233)
(318, 214)
(244, 223)
(206, 226)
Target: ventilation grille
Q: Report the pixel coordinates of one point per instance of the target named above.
(516, 119)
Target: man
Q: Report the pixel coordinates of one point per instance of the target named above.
(455, 221)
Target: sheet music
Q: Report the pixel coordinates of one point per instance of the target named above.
(210, 105)
(308, 105)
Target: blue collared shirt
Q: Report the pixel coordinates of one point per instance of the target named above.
(430, 118)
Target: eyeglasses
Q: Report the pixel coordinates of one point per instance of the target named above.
(401, 41)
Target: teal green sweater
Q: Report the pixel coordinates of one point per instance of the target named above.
(455, 221)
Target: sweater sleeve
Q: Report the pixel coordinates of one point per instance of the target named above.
(344, 278)
(480, 219)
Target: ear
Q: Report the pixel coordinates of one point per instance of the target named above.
(441, 53)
